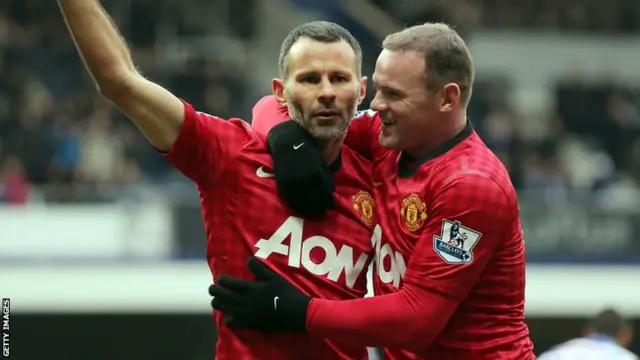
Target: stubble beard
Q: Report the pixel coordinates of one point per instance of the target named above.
(322, 134)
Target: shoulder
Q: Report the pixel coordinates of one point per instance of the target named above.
(240, 124)
(616, 351)
(237, 133)
(466, 184)
(474, 169)
(201, 119)
(264, 103)
(625, 354)
(561, 349)
(474, 195)
(580, 345)
(354, 165)
(365, 114)
(366, 117)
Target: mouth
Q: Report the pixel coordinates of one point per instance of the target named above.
(388, 123)
(327, 114)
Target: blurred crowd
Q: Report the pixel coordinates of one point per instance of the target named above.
(588, 144)
(591, 16)
(59, 137)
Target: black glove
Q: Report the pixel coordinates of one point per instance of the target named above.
(302, 175)
(270, 304)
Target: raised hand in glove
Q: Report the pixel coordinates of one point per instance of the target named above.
(270, 304)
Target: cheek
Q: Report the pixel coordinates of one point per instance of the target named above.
(300, 96)
(349, 94)
(298, 108)
(401, 113)
(409, 122)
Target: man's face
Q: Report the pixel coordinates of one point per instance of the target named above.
(402, 99)
(323, 89)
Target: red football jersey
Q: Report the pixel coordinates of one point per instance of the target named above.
(448, 223)
(244, 216)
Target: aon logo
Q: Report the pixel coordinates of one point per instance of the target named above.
(299, 252)
(398, 267)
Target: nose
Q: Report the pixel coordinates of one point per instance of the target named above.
(327, 94)
(378, 104)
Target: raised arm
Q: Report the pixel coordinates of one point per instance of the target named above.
(154, 110)
(199, 145)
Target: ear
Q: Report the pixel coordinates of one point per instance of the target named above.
(450, 97)
(363, 89)
(277, 87)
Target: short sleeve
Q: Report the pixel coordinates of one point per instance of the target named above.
(466, 221)
(206, 144)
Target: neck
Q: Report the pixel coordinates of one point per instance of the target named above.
(443, 131)
(330, 149)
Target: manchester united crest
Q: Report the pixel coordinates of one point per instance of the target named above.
(363, 204)
(413, 212)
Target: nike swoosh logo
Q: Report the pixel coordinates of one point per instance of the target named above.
(275, 303)
(296, 147)
(263, 174)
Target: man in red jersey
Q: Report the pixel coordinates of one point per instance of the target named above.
(233, 171)
(450, 262)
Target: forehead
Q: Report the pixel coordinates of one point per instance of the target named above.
(308, 55)
(400, 69)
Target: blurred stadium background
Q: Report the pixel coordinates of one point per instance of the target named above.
(101, 242)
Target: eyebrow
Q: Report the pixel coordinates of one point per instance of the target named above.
(317, 72)
(391, 89)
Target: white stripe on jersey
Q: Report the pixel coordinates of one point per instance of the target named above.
(588, 349)
(361, 113)
(369, 281)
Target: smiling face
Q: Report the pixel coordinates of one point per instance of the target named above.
(423, 81)
(322, 89)
(402, 99)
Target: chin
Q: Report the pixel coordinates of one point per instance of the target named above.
(327, 134)
(390, 142)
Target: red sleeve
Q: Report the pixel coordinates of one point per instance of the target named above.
(267, 113)
(439, 276)
(205, 144)
(363, 134)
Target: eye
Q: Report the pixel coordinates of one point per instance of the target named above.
(310, 79)
(339, 79)
(392, 94)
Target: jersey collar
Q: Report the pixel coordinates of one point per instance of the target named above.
(408, 165)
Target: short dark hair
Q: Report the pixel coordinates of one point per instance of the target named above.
(322, 31)
(609, 322)
(447, 58)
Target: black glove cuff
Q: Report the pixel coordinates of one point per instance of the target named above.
(297, 309)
